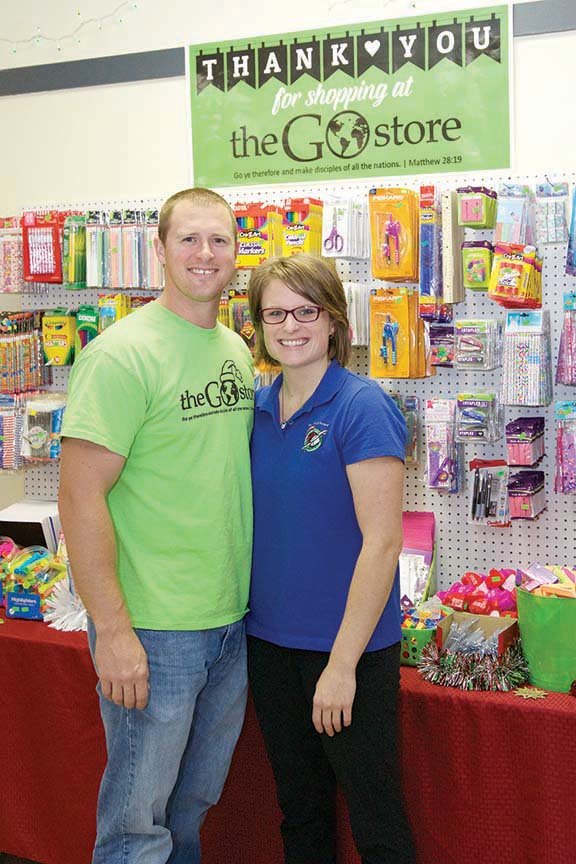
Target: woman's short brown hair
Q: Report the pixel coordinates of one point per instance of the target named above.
(312, 278)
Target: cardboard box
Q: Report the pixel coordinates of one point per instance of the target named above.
(488, 623)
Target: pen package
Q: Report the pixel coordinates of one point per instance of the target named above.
(488, 502)
(526, 494)
(525, 440)
(74, 252)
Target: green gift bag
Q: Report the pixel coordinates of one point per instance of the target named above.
(548, 631)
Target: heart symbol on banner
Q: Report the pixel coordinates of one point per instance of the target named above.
(372, 47)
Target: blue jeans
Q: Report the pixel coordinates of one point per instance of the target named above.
(167, 763)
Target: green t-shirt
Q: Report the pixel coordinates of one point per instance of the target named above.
(176, 400)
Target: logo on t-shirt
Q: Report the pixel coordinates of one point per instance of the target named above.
(313, 439)
(225, 393)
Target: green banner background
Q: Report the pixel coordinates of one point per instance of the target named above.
(446, 118)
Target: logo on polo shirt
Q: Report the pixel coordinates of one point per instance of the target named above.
(313, 439)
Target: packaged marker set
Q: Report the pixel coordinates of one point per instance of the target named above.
(488, 493)
(259, 233)
(477, 344)
(479, 417)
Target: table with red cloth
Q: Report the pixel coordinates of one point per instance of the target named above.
(488, 778)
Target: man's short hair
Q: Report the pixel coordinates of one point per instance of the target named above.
(197, 196)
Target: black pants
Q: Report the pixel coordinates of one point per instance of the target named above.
(362, 758)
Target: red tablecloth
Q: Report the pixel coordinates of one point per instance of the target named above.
(488, 778)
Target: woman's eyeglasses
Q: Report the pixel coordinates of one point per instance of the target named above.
(302, 314)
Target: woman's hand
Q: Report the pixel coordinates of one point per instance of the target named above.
(333, 698)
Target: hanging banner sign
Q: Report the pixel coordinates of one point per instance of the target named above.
(413, 96)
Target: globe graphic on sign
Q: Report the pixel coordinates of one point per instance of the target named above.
(347, 134)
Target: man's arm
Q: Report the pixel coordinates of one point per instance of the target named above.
(88, 472)
(377, 486)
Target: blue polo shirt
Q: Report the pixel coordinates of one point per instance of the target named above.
(306, 535)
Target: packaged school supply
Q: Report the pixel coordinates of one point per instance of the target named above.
(476, 207)
(525, 441)
(42, 427)
(515, 219)
(302, 226)
(58, 332)
(452, 239)
(516, 278)
(478, 417)
(527, 363)
(441, 344)
(259, 233)
(477, 343)
(477, 258)
(551, 203)
(394, 234)
(97, 250)
(571, 251)
(397, 335)
(565, 467)
(11, 272)
(86, 327)
(74, 252)
(430, 253)
(443, 454)
(488, 497)
(42, 246)
(526, 494)
(566, 366)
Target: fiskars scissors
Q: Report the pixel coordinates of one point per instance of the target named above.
(334, 242)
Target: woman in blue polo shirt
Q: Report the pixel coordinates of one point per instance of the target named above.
(324, 621)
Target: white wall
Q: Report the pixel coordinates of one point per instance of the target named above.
(131, 140)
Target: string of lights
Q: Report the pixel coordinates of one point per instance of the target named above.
(39, 37)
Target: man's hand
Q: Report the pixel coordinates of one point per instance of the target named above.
(122, 666)
(333, 698)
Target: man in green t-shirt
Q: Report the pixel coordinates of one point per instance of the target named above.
(155, 501)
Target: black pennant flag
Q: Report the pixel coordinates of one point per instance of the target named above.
(241, 66)
(338, 54)
(483, 37)
(209, 71)
(304, 60)
(445, 43)
(272, 63)
(372, 50)
(408, 47)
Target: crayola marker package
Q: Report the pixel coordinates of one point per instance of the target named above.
(58, 332)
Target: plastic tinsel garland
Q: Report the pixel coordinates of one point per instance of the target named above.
(473, 671)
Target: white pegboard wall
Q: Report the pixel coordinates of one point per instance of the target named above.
(460, 546)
